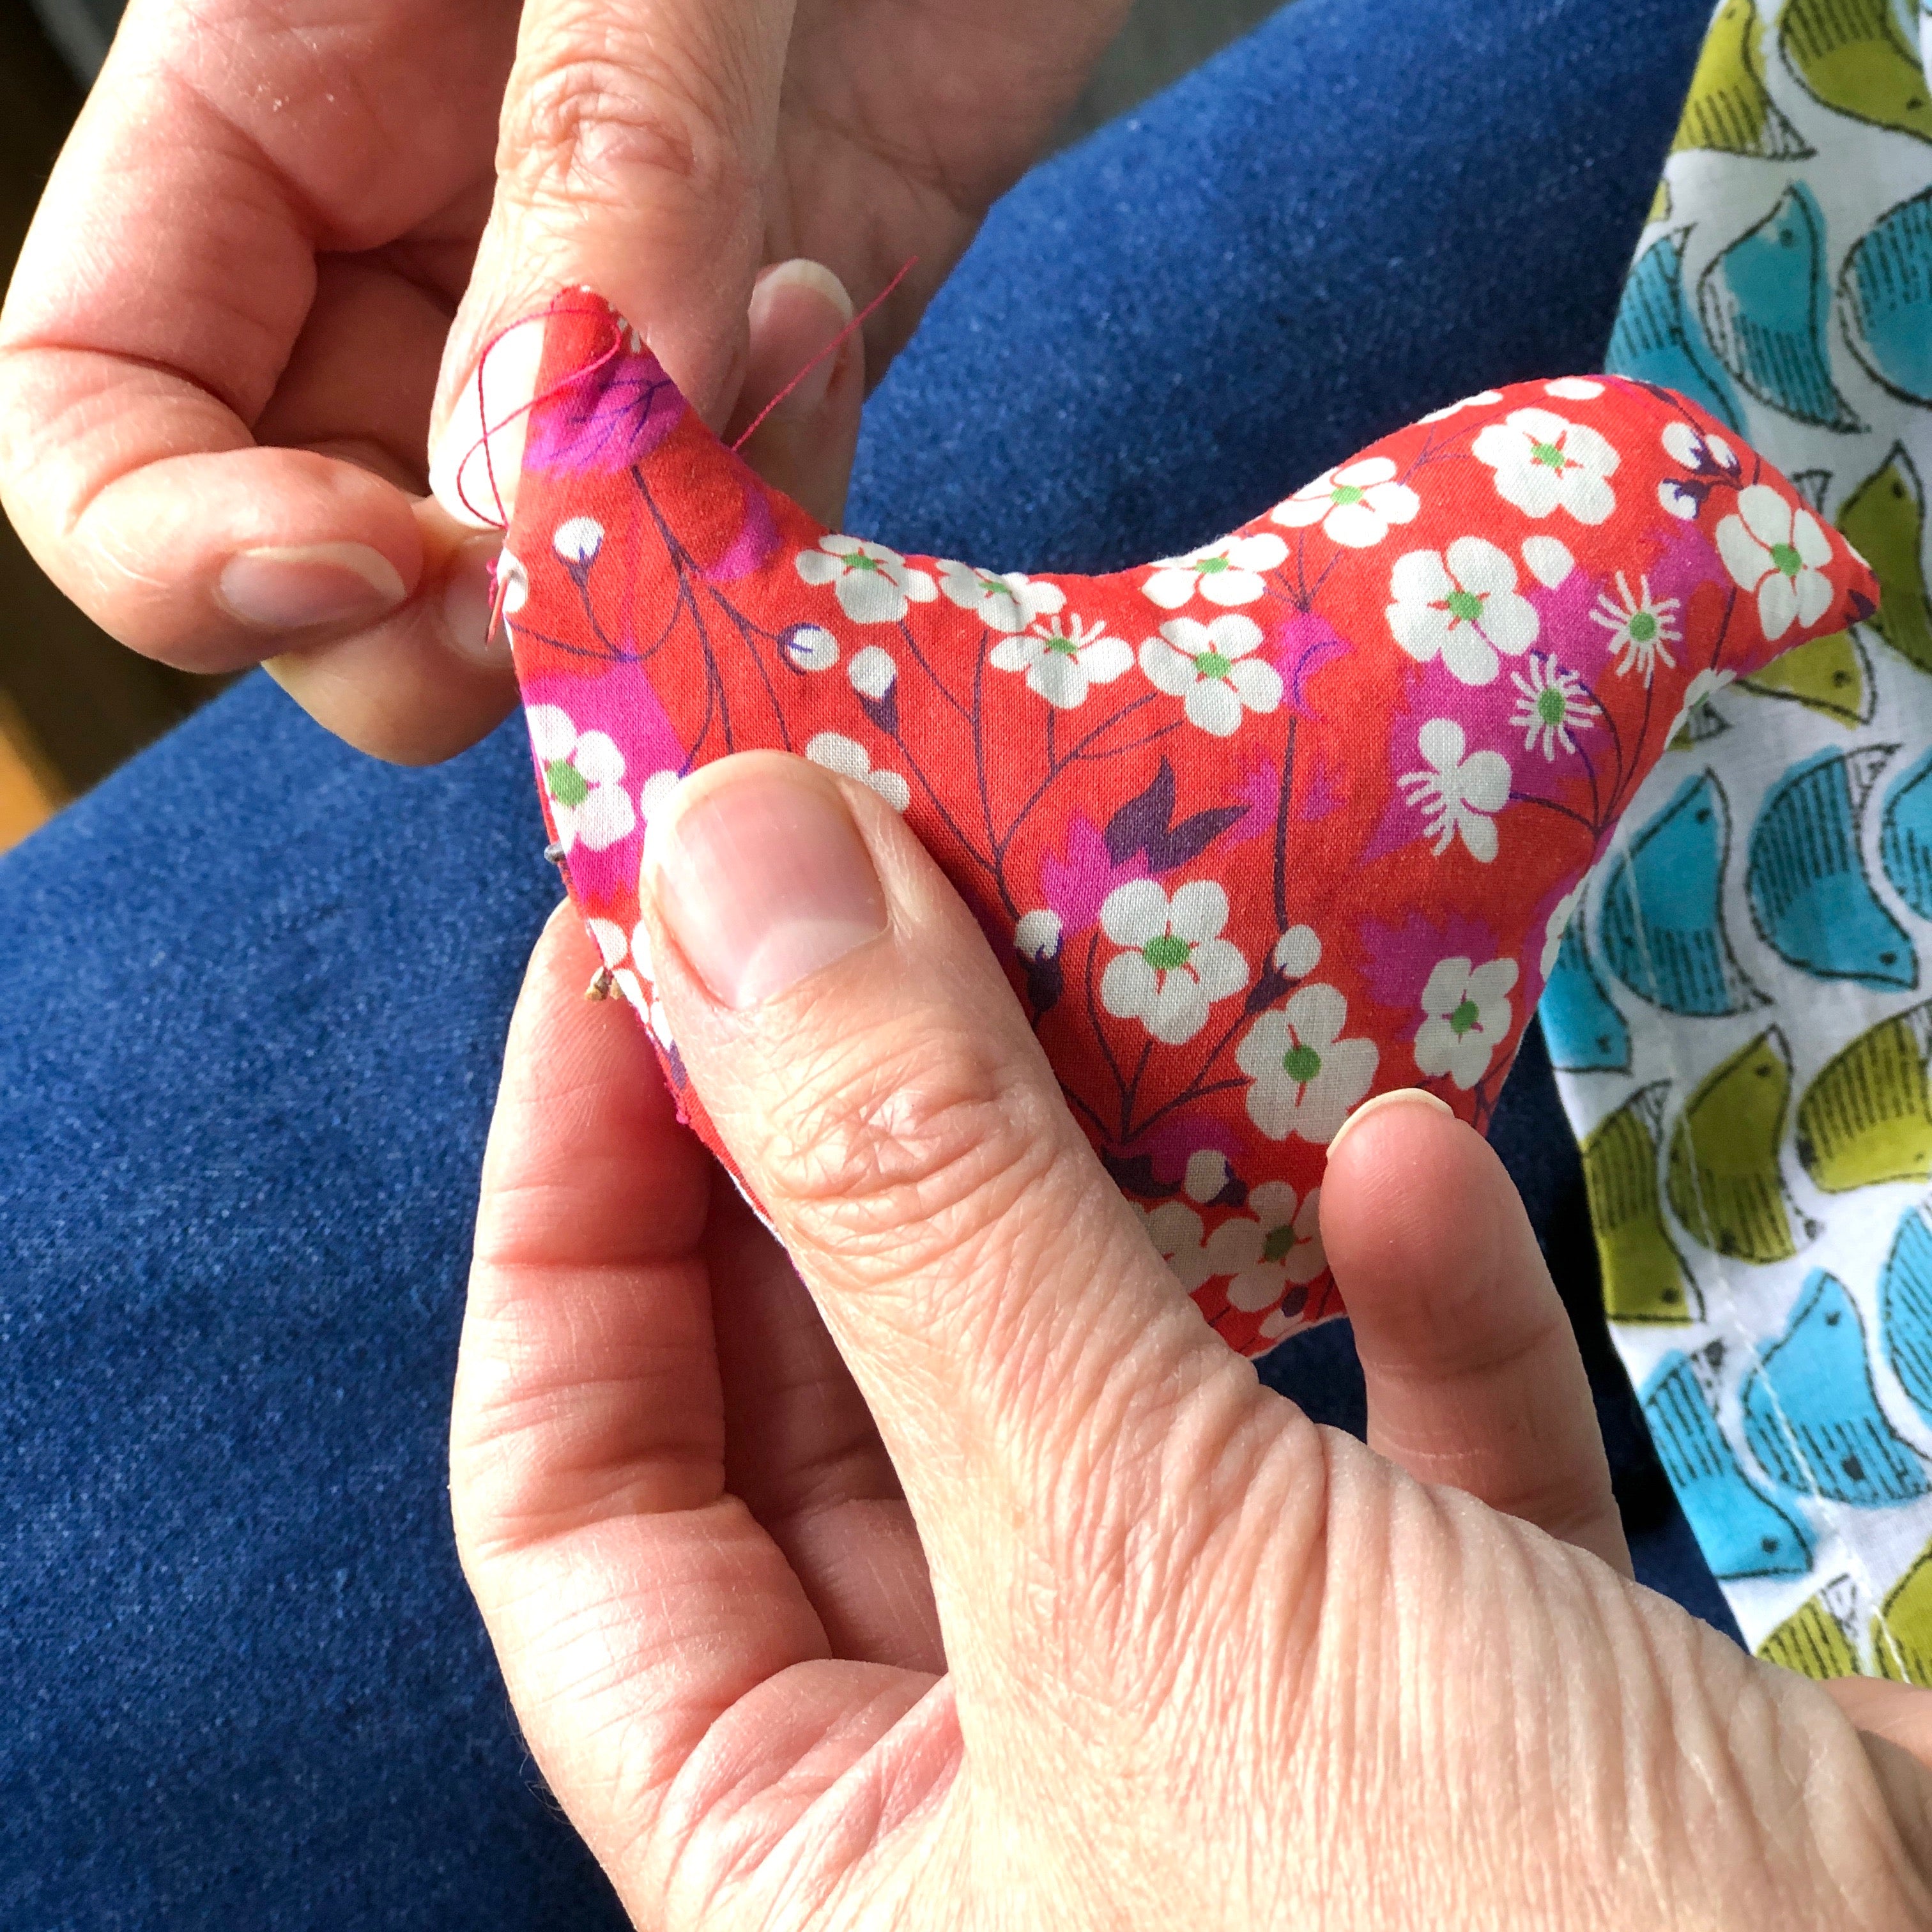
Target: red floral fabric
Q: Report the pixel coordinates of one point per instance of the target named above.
(1256, 833)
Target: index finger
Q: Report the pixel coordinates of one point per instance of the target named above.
(168, 298)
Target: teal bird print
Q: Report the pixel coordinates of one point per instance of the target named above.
(1905, 837)
(1885, 299)
(1810, 898)
(1811, 1415)
(1657, 338)
(1586, 1033)
(1905, 1310)
(1662, 929)
(1766, 304)
(1741, 1532)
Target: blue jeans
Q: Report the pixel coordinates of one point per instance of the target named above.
(253, 989)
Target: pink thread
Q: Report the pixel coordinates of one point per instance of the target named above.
(857, 323)
(490, 429)
(615, 349)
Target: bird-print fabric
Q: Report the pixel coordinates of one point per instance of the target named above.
(1257, 831)
(1741, 1013)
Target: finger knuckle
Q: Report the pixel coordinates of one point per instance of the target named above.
(593, 114)
(912, 1138)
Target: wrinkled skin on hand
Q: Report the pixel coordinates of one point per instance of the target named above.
(226, 330)
(951, 1574)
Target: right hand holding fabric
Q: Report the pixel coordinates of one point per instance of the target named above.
(229, 337)
(944, 1570)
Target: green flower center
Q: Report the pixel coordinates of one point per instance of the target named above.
(1212, 663)
(1301, 1063)
(1280, 1242)
(1166, 954)
(1464, 1017)
(1209, 566)
(1550, 706)
(1066, 647)
(567, 784)
(1786, 559)
(1642, 628)
(858, 560)
(1345, 493)
(1465, 606)
(1549, 456)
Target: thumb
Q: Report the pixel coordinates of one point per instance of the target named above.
(1023, 1348)
(634, 144)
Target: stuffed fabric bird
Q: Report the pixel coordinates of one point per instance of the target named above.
(1257, 831)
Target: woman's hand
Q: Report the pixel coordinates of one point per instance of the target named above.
(219, 357)
(960, 1577)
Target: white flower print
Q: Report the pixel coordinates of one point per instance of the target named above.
(872, 672)
(1211, 667)
(1227, 572)
(1462, 603)
(1468, 1017)
(1037, 935)
(1208, 1175)
(1770, 549)
(1552, 705)
(874, 584)
(850, 759)
(1543, 464)
(1064, 660)
(1683, 500)
(1297, 952)
(1354, 505)
(1307, 1078)
(654, 793)
(1684, 445)
(1280, 1247)
(810, 646)
(1457, 793)
(582, 774)
(1706, 685)
(1642, 628)
(1009, 603)
(1176, 964)
(1550, 559)
(1557, 924)
(627, 959)
(1467, 403)
(1174, 1229)
(577, 540)
(1574, 389)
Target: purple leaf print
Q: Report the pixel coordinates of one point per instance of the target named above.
(1308, 643)
(1074, 886)
(1142, 825)
(756, 543)
(608, 420)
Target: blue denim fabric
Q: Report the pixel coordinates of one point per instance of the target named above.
(253, 990)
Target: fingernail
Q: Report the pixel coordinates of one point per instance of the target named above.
(796, 308)
(1405, 1096)
(468, 591)
(302, 585)
(761, 875)
(476, 485)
